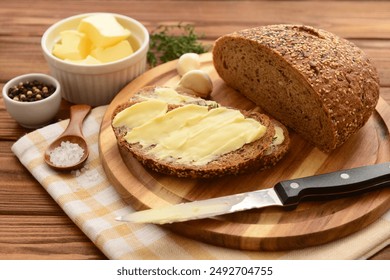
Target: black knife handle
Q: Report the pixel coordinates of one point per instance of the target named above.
(334, 184)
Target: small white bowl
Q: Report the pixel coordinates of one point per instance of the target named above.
(95, 84)
(36, 113)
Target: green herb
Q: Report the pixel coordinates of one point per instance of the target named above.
(167, 44)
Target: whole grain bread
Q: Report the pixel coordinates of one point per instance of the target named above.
(320, 85)
(247, 158)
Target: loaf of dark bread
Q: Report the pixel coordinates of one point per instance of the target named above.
(320, 85)
(245, 159)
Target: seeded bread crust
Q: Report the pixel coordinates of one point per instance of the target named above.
(247, 158)
(320, 85)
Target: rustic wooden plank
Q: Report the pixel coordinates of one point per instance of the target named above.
(350, 18)
(21, 40)
(24, 237)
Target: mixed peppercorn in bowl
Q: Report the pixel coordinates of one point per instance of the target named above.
(33, 100)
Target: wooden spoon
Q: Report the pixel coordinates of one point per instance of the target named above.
(73, 133)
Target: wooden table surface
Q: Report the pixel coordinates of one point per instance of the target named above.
(32, 225)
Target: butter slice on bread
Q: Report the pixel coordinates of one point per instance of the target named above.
(252, 156)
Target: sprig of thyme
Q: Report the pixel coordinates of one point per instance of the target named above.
(167, 44)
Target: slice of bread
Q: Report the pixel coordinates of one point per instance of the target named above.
(250, 157)
(320, 85)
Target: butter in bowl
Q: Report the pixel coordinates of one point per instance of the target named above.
(95, 55)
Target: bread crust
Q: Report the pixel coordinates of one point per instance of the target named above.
(307, 65)
(247, 158)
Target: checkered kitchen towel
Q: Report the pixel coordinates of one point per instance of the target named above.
(92, 203)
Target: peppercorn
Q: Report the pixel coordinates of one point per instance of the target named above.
(30, 91)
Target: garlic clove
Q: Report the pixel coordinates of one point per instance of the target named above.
(188, 62)
(197, 82)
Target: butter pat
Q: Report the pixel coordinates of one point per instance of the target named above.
(74, 45)
(116, 52)
(103, 30)
(171, 96)
(98, 39)
(164, 125)
(192, 134)
(140, 113)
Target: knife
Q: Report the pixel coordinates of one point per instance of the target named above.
(286, 193)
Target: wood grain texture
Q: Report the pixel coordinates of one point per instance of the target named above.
(22, 199)
(310, 224)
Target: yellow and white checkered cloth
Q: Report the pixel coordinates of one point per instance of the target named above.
(92, 203)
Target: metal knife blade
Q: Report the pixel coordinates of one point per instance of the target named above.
(205, 208)
(285, 193)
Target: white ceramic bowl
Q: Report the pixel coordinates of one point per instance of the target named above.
(36, 113)
(95, 84)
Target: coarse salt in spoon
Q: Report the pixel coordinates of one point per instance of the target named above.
(70, 150)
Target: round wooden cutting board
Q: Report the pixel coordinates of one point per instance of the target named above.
(311, 223)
